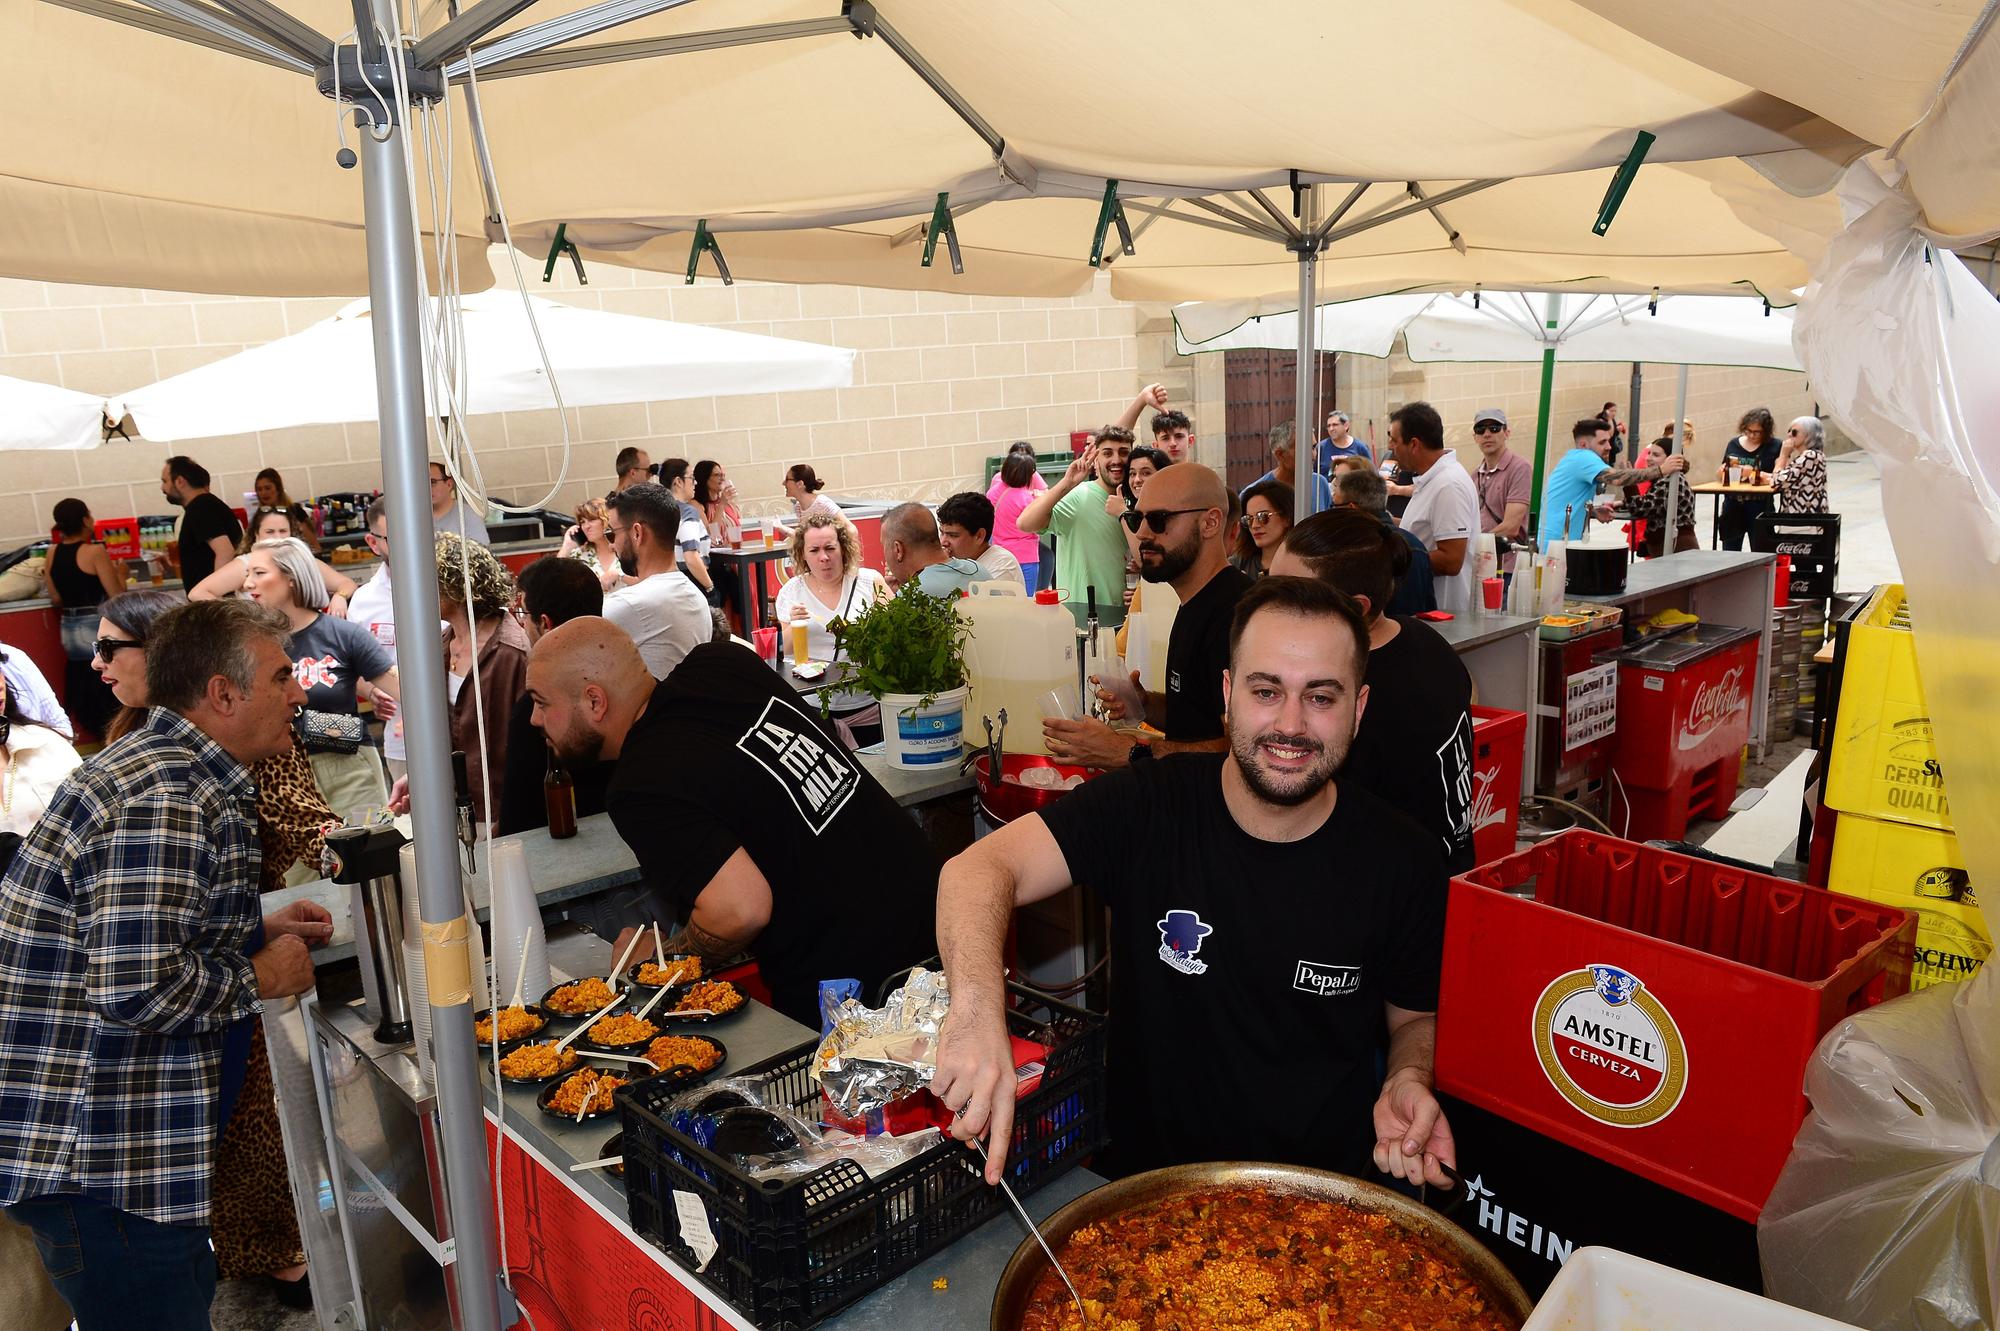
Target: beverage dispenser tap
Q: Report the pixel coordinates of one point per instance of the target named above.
(1086, 656)
(468, 835)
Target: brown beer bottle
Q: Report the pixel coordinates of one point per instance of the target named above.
(559, 794)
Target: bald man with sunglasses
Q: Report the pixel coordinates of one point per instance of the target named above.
(1183, 528)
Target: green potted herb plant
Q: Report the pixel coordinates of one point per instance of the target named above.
(908, 653)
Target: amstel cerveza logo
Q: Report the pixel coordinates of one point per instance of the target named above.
(1609, 1047)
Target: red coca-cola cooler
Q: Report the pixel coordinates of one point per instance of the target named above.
(1683, 719)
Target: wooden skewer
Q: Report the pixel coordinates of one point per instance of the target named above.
(604, 1163)
(659, 951)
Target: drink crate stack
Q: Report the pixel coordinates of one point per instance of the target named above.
(1647, 998)
(1894, 841)
(1811, 544)
(791, 1252)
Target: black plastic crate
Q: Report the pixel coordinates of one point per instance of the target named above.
(791, 1253)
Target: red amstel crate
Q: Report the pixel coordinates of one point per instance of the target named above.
(1499, 739)
(1654, 1009)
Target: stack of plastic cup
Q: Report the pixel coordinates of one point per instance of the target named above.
(413, 961)
(520, 946)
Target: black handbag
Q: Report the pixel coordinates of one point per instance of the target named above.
(331, 732)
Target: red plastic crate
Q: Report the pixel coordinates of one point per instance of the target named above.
(1654, 1009)
(1499, 739)
(1682, 726)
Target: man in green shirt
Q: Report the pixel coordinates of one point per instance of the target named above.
(1080, 512)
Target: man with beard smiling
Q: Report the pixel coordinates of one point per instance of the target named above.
(1268, 922)
(662, 610)
(1090, 549)
(1183, 532)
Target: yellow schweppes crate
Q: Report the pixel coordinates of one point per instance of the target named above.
(1918, 869)
(1882, 759)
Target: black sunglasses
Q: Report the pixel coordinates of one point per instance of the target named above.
(1488, 427)
(106, 648)
(1156, 518)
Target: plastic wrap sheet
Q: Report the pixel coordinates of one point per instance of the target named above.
(1900, 341)
(1887, 1214)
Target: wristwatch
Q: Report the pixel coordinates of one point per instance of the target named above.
(1137, 754)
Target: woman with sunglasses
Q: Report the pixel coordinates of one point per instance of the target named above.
(275, 524)
(255, 1230)
(330, 656)
(1267, 516)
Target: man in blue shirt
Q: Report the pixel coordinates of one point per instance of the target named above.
(1583, 481)
(1284, 467)
(912, 551)
(1339, 443)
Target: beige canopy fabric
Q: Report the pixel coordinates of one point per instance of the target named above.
(1876, 67)
(134, 158)
(1677, 231)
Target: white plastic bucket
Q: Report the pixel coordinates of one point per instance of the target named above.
(923, 737)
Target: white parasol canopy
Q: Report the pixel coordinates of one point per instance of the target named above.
(36, 415)
(326, 374)
(1512, 326)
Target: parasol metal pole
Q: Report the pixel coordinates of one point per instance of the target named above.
(1551, 316)
(1680, 446)
(1632, 416)
(1306, 245)
(395, 295)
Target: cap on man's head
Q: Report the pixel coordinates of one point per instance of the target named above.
(1488, 414)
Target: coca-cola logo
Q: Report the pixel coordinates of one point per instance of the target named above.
(1713, 704)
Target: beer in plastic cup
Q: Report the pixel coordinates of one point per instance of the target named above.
(799, 630)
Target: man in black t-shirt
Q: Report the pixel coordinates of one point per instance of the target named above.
(548, 593)
(1413, 750)
(209, 529)
(744, 809)
(1183, 541)
(1267, 923)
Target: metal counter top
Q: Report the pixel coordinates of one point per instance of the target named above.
(1649, 577)
(971, 1267)
(1476, 630)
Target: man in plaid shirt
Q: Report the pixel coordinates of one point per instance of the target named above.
(130, 941)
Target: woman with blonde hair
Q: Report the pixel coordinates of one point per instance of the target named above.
(330, 656)
(590, 541)
(830, 584)
(501, 664)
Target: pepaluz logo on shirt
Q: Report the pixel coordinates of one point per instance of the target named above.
(1328, 981)
(818, 778)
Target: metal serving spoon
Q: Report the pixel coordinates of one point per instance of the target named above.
(1035, 1229)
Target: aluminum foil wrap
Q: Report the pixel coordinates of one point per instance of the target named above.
(873, 1057)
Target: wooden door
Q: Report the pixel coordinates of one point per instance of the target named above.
(1260, 389)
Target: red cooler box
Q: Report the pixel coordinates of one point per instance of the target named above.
(1499, 739)
(1683, 719)
(1654, 1009)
